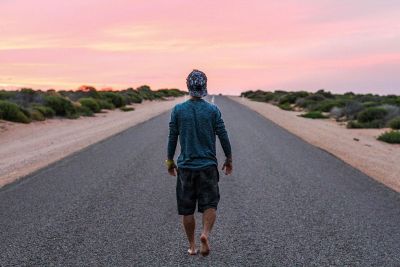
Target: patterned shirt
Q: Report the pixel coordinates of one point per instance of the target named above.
(197, 123)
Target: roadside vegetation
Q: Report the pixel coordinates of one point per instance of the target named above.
(356, 110)
(26, 105)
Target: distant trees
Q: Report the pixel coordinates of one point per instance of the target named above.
(26, 104)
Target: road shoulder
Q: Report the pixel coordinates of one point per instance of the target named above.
(27, 148)
(357, 147)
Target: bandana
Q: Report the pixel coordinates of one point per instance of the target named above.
(197, 83)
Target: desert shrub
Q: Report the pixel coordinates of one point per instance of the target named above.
(287, 99)
(37, 115)
(392, 137)
(370, 104)
(337, 112)
(136, 99)
(371, 124)
(314, 115)
(369, 98)
(145, 92)
(26, 111)
(11, 112)
(125, 109)
(392, 111)
(352, 108)
(372, 114)
(46, 111)
(104, 104)
(259, 95)
(306, 103)
(315, 97)
(90, 103)
(390, 100)
(116, 99)
(285, 106)
(85, 111)
(91, 92)
(395, 123)
(61, 106)
(6, 94)
(327, 105)
(170, 92)
(325, 94)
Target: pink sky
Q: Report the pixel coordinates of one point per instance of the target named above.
(291, 45)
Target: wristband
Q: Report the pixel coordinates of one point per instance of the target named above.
(169, 163)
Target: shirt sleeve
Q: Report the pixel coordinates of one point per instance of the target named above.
(173, 134)
(222, 134)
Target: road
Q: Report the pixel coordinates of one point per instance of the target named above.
(287, 203)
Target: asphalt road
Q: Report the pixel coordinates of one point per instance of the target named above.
(287, 203)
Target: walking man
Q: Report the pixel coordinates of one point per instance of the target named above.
(197, 123)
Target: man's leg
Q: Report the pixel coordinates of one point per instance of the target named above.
(209, 216)
(189, 224)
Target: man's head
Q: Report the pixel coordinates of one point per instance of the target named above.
(197, 83)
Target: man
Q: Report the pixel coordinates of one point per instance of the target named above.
(197, 123)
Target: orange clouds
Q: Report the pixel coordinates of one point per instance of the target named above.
(239, 44)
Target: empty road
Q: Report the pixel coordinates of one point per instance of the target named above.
(287, 203)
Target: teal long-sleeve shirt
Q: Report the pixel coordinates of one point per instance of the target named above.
(197, 123)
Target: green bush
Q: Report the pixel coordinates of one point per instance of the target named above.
(46, 111)
(351, 109)
(11, 112)
(125, 109)
(285, 106)
(170, 92)
(90, 103)
(85, 111)
(395, 123)
(370, 104)
(327, 105)
(62, 106)
(116, 99)
(371, 124)
(7, 94)
(291, 97)
(104, 104)
(136, 99)
(314, 115)
(392, 137)
(37, 115)
(145, 92)
(372, 114)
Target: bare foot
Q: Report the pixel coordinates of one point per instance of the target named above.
(204, 248)
(193, 251)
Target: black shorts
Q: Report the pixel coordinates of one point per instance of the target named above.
(197, 185)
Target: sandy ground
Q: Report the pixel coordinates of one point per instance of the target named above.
(25, 148)
(357, 147)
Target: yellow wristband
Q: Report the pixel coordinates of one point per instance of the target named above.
(169, 163)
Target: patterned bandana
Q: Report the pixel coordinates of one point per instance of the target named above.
(197, 83)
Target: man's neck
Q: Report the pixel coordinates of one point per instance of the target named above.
(195, 98)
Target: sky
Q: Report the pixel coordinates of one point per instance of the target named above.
(340, 46)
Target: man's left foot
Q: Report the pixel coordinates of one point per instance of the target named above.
(193, 251)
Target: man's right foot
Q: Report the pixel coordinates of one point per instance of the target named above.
(204, 248)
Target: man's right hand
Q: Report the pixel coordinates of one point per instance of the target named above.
(172, 171)
(172, 168)
(227, 167)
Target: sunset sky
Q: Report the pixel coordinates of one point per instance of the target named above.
(240, 45)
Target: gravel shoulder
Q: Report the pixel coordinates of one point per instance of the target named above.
(25, 148)
(357, 147)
